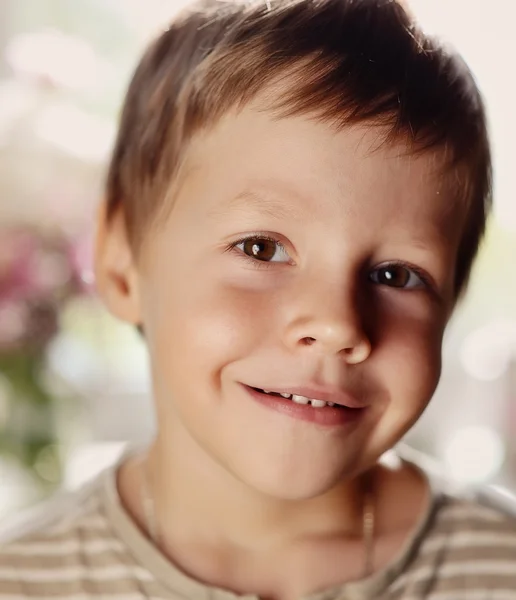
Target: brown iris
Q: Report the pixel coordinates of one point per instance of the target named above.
(393, 276)
(260, 248)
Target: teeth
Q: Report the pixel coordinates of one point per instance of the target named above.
(278, 394)
(300, 399)
(318, 403)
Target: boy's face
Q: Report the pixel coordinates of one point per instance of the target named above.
(342, 291)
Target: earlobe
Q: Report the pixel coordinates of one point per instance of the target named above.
(116, 272)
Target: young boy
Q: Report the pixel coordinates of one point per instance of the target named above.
(294, 203)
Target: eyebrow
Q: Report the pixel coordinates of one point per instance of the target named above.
(269, 201)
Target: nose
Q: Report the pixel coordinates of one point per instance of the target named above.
(330, 322)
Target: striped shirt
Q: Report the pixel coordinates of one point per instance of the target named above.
(86, 546)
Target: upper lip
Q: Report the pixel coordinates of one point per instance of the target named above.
(326, 393)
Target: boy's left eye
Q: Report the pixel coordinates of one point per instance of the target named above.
(263, 249)
(398, 276)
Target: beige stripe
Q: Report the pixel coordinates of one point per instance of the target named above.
(49, 589)
(472, 539)
(51, 562)
(93, 521)
(451, 528)
(470, 511)
(477, 568)
(472, 554)
(63, 537)
(64, 528)
(87, 596)
(58, 548)
(469, 595)
(75, 573)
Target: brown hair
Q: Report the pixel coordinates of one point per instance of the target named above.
(350, 61)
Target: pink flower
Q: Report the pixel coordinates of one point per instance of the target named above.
(32, 267)
(37, 275)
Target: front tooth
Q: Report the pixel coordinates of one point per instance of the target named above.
(300, 399)
(285, 395)
(318, 403)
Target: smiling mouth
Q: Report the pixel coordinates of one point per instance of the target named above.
(316, 403)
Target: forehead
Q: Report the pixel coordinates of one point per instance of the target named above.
(299, 167)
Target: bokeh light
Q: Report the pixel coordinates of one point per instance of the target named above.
(474, 455)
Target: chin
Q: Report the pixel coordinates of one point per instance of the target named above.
(294, 484)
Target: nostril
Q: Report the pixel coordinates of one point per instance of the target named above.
(308, 341)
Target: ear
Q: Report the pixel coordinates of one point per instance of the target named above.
(116, 271)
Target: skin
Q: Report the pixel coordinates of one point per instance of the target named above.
(283, 491)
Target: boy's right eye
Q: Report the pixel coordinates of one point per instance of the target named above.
(264, 249)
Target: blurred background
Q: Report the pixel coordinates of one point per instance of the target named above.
(74, 384)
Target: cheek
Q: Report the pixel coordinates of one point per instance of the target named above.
(410, 348)
(406, 365)
(203, 324)
(408, 328)
(408, 362)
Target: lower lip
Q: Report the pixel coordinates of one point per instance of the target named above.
(328, 416)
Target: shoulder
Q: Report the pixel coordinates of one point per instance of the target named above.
(486, 511)
(468, 549)
(51, 550)
(51, 518)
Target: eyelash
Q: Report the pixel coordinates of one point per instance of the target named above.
(259, 264)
